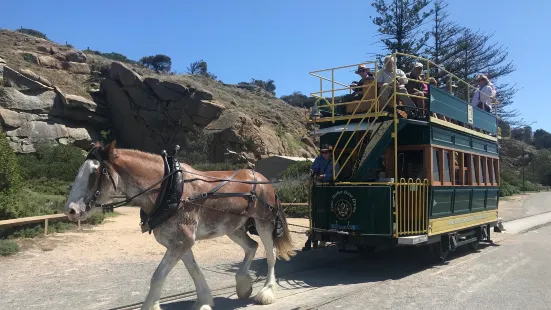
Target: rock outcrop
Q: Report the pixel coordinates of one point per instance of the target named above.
(33, 111)
(149, 113)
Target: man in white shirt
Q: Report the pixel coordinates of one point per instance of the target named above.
(385, 83)
(484, 95)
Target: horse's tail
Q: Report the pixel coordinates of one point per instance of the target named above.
(282, 241)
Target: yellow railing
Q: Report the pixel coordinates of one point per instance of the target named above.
(375, 109)
(412, 202)
(373, 112)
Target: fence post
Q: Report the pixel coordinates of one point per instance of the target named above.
(45, 226)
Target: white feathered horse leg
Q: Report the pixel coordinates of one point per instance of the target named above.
(244, 281)
(172, 256)
(267, 293)
(204, 295)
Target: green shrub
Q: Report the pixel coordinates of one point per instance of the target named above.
(224, 166)
(95, 218)
(8, 247)
(506, 189)
(292, 190)
(10, 178)
(26, 202)
(32, 32)
(297, 170)
(59, 162)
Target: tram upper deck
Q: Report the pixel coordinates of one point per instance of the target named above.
(361, 125)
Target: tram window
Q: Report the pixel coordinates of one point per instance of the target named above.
(488, 168)
(447, 173)
(473, 170)
(436, 165)
(496, 172)
(466, 169)
(481, 174)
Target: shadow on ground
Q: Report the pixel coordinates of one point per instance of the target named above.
(327, 267)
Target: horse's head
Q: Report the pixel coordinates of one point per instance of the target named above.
(95, 182)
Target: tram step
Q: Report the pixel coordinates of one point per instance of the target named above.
(412, 240)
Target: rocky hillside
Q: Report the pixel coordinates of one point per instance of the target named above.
(53, 93)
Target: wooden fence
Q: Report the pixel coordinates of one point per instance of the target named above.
(62, 217)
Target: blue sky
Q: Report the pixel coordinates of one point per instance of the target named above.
(281, 40)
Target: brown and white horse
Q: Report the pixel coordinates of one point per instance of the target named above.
(132, 171)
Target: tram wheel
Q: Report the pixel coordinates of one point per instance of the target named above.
(437, 251)
(366, 252)
(475, 245)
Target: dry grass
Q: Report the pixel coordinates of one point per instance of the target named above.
(13, 43)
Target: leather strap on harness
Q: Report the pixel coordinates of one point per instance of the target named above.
(214, 192)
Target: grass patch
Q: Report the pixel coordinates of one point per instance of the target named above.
(8, 247)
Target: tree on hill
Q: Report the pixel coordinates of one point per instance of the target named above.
(32, 32)
(401, 26)
(298, 99)
(159, 62)
(268, 85)
(542, 139)
(200, 68)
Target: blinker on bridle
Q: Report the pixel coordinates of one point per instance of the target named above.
(99, 155)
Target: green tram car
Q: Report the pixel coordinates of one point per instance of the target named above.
(430, 178)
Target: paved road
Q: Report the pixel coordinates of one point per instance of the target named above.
(513, 273)
(395, 279)
(524, 205)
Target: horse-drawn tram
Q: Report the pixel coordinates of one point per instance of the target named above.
(412, 164)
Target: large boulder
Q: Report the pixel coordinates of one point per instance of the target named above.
(32, 101)
(76, 56)
(24, 138)
(150, 114)
(77, 108)
(24, 79)
(76, 67)
(238, 132)
(13, 119)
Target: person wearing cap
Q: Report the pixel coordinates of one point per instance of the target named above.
(485, 94)
(416, 88)
(322, 167)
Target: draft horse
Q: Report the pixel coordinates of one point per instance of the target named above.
(182, 205)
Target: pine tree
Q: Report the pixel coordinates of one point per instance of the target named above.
(474, 54)
(401, 27)
(444, 37)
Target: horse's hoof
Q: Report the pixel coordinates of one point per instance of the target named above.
(201, 307)
(244, 294)
(266, 296)
(244, 286)
(156, 306)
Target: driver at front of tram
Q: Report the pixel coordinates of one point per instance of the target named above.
(322, 167)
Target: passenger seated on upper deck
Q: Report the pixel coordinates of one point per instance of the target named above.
(322, 167)
(385, 82)
(367, 77)
(416, 88)
(485, 94)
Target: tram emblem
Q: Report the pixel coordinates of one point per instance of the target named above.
(343, 204)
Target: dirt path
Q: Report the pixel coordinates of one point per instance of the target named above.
(120, 237)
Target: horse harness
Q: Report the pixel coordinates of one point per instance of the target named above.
(171, 190)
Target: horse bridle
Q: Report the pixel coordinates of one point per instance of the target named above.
(90, 202)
